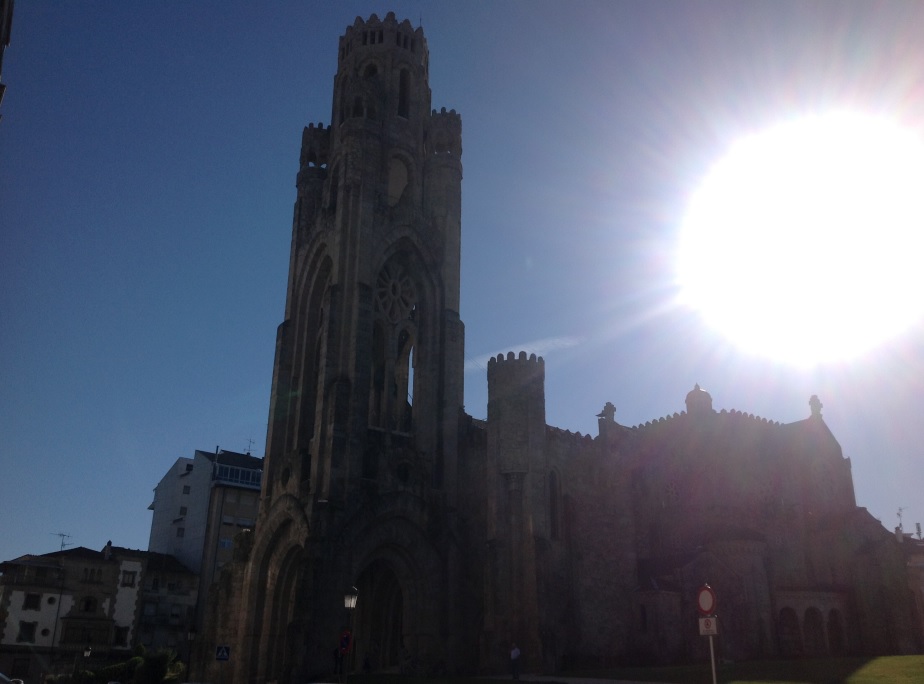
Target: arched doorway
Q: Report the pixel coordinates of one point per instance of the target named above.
(837, 643)
(790, 634)
(379, 619)
(814, 632)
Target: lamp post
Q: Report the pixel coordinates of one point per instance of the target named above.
(349, 602)
(190, 640)
(86, 654)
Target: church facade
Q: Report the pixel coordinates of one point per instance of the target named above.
(461, 536)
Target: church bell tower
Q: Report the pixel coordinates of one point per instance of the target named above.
(367, 383)
(360, 481)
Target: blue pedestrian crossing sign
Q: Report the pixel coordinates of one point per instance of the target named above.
(223, 653)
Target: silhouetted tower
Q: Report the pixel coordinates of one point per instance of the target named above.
(368, 376)
(518, 478)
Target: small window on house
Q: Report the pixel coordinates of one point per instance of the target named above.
(150, 608)
(27, 632)
(32, 602)
(225, 544)
(128, 578)
(155, 584)
(182, 510)
(88, 605)
(186, 489)
(180, 531)
(370, 72)
(357, 106)
(189, 467)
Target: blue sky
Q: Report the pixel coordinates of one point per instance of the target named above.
(148, 153)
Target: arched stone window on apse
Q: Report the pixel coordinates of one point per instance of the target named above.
(394, 341)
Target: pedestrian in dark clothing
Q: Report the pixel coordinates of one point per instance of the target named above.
(515, 661)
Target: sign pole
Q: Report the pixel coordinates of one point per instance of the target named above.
(705, 604)
(712, 658)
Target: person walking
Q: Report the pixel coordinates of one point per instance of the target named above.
(515, 660)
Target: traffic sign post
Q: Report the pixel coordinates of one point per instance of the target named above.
(708, 625)
(705, 601)
(222, 655)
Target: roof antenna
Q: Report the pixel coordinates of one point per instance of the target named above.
(249, 445)
(63, 537)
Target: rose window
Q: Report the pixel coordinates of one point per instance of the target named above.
(394, 293)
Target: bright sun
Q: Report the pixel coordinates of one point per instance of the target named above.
(804, 243)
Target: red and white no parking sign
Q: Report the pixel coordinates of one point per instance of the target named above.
(705, 600)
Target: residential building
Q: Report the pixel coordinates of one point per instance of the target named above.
(200, 505)
(56, 606)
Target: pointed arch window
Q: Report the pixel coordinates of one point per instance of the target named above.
(404, 93)
(394, 338)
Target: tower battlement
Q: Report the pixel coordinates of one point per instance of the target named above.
(372, 35)
(315, 146)
(446, 133)
(514, 372)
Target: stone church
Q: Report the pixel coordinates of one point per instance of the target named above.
(461, 536)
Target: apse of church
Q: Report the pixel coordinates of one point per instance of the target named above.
(463, 535)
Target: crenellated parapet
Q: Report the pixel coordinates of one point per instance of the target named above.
(510, 376)
(567, 438)
(683, 415)
(315, 154)
(315, 147)
(516, 411)
(373, 34)
(445, 134)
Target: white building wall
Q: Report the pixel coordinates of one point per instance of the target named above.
(45, 616)
(126, 598)
(169, 500)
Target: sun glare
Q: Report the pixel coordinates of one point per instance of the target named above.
(804, 243)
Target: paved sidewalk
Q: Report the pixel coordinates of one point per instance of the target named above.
(563, 679)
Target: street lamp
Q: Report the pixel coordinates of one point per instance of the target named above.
(349, 602)
(349, 599)
(86, 654)
(190, 638)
